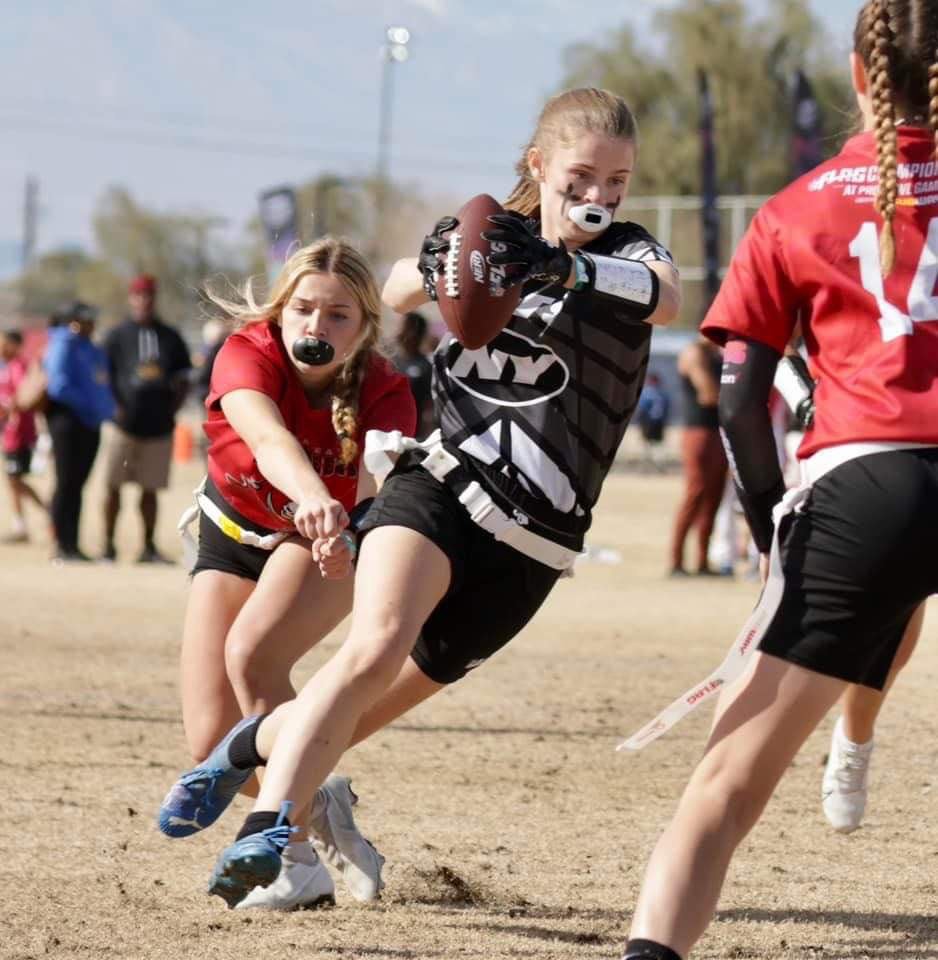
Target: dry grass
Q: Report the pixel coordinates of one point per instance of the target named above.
(511, 827)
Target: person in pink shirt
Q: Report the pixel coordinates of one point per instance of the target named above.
(19, 435)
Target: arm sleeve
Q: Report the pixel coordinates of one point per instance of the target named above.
(758, 299)
(748, 370)
(243, 365)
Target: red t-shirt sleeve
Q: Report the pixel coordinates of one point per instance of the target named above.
(757, 299)
(245, 363)
(391, 405)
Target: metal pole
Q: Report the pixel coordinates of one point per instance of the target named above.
(384, 140)
(29, 222)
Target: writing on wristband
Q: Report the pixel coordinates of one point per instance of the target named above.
(629, 280)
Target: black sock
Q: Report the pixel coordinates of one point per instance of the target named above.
(648, 950)
(242, 751)
(256, 822)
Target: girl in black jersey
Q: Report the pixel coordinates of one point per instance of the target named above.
(472, 529)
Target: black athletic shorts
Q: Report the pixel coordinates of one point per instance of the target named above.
(494, 590)
(217, 551)
(17, 462)
(858, 560)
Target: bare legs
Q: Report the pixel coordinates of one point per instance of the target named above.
(21, 493)
(861, 705)
(241, 640)
(401, 577)
(763, 720)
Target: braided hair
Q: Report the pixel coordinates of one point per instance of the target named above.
(897, 40)
(563, 116)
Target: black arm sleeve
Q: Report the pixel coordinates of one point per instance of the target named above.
(748, 371)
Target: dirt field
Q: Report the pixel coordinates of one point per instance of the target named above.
(510, 825)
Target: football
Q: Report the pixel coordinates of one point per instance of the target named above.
(472, 294)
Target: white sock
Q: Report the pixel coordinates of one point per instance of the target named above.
(18, 525)
(847, 741)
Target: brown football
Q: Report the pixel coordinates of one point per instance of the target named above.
(474, 299)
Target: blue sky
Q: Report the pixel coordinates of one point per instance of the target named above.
(200, 104)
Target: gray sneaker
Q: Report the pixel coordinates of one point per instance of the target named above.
(338, 841)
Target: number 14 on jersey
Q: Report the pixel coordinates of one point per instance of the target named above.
(922, 304)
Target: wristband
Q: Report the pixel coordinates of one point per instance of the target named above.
(351, 542)
(581, 272)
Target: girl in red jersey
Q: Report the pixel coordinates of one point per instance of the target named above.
(293, 392)
(853, 249)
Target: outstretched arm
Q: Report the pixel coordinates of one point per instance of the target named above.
(283, 462)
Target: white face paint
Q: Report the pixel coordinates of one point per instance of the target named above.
(590, 217)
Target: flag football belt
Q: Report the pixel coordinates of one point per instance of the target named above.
(749, 638)
(229, 527)
(482, 509)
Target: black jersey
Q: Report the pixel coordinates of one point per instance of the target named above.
(539, 412)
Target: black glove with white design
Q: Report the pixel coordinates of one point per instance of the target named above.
(538, 259)
(432, 251)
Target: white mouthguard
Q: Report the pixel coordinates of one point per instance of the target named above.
(590, 217)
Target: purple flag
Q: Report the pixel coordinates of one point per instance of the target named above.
(806, 127)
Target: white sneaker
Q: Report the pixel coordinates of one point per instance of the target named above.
(338, 841)
(846, 781)
(300, 885)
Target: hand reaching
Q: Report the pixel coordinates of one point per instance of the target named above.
(319, 517)
(334, 555)
(434, 248)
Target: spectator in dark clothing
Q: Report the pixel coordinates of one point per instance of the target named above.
(80, 400)
(410, 357)
(654, 408)
(149, 366)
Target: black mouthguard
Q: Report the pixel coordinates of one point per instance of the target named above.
(314, 352)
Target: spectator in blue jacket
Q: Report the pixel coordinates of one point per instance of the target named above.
(80, 400)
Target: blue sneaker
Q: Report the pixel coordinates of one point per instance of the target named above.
(252, 861)
(198, 798)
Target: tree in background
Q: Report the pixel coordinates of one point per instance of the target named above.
(750, 64)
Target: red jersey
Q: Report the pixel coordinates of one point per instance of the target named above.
(254, 358)
(812, 254)
(19, 428)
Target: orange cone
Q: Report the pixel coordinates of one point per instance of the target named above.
(183, 443)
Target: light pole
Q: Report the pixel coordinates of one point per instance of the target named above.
(393, 50)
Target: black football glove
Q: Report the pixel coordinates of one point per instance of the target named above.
(536, 258)
(432, 251)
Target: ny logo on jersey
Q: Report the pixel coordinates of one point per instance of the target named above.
(511, 371)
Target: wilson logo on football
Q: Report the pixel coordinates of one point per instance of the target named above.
(477, 265)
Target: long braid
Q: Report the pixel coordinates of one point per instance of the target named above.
(345, 398)
(933, 99)
(885, 128)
